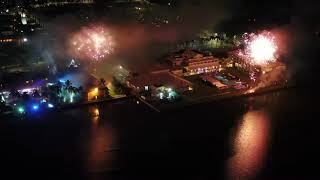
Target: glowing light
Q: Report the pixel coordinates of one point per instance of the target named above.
(35, 107)
(71, 97)
(96, 112)
(261, 48)
(250, 145)
(50, 105)
(21, 110)
(43, 101)
(93, 42)
(96, 90)
(93, 94)
(161, 95)
(25, 40)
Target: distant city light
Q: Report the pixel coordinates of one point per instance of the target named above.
(25, 40)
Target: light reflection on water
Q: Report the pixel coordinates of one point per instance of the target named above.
(250, 146)
(100, 142)
(95, 115)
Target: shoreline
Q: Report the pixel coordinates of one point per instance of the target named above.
(221, 97)
(177, 105)
(88, 103)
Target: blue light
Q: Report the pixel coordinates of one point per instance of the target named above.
(35, 107)
(50, 105)
(62, 81)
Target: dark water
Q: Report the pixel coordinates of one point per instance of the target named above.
(273, 136)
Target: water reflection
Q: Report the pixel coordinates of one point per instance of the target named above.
(250, 145)
(100, 141)
(95, 113)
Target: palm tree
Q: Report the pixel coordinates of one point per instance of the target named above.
(68, 83)
(102, 83)
(103, 88)
(54, 92)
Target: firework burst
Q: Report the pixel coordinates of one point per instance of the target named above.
(94, 43)
(261, 48)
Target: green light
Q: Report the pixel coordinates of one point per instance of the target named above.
(20, 109)
(71, 97)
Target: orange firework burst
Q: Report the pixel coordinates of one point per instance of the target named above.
(261, 48)
(94, 43)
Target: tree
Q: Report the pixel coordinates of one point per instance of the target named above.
(106, 92)
(119, 88)
(36, 94)
(102, 83)
(14, 94)
(54, 92)
(206, 34)
(68, 83)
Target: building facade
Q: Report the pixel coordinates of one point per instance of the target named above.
(193, 62)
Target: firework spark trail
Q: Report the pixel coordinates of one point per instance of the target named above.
(94, 43)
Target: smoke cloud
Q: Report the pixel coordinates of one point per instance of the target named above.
(138, 43)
